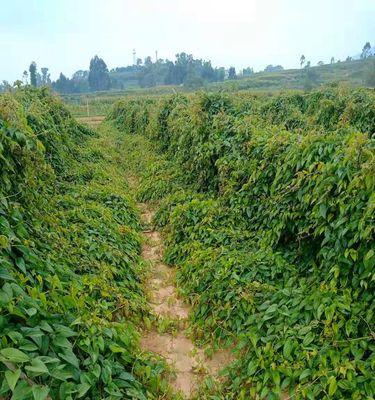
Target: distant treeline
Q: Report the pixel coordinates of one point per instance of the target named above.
(185, 70)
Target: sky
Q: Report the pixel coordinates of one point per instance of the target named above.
(63, 35)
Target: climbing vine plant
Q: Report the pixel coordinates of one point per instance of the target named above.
(268, 207)
(70, 292)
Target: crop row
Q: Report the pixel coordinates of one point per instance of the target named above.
(267, 205)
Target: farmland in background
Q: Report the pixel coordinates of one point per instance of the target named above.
(348, 73)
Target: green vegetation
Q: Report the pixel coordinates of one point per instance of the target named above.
(267, 209)
(351, 73)
(267, 206)
(70, 272)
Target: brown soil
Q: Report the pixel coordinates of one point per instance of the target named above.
(93, 121)
(189, 362)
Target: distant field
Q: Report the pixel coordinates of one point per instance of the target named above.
(99, 103)
(349, 73)
(91, 121)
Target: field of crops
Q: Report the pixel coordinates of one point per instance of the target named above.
(267, 209)
(71, 299)
(266, 206)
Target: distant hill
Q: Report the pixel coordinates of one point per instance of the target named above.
(351, 73)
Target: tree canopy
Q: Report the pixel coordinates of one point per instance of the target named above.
(98, 75)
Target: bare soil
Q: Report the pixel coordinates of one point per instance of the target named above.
(189, 362)
(93, 121)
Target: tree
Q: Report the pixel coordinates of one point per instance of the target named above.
(232, 73)
(308, 64)
(32, 70)
(25, 77)
(193, 81)
(148, 61)
(247, 71)
(80, 81)
(302, 60)
(63, 84)
(18, 84)
(320, 63)
(5, 86)
(273, 68)
(45, 79)
(183, 63)
(332, 60)
(366, 50)
(98, 75)
(207, 72)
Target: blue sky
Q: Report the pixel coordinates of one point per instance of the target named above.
(64, 34)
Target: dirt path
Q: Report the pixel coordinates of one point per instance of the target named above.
(188, 361)
(93, 121)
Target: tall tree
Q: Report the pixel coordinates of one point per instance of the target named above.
(63, 84)
(32, 70)
(98, 75)
(247, 71)
(366, 50)
(302, 60)
(232, 73)
(46, 79)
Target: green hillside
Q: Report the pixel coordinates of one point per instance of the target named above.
(351, 73)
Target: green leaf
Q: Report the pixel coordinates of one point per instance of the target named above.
(369, 259)
(31, 311)
(40, 392)
(305, 374)
(252, 367)
(83, 389)
(62, 341)
(264, 392)
(20, 262)
(5, 275)
(22, 391)
(14, 355)
(12, 378)
(70, 357)
(37, 366)
(332, 386)
(323, 210)
(126, 376)
(308, 338)
(117, 349)
(28, 346)
(288, 347)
